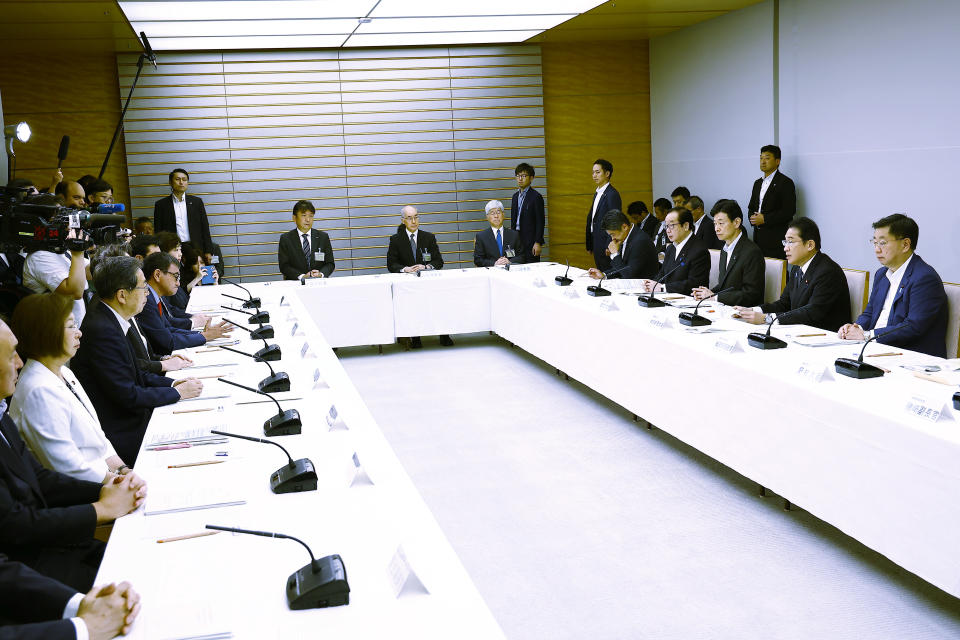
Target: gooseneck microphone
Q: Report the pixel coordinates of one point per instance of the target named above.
(62, 152)
(297, 475)
(597, 290)
(858, 368)
(765, 340)
(262, 333)
(322, 583)
(251, 303)
(650, 300)
(695, 319)
(563, 280)
(285, 423)
(274, 382)
(260, 317)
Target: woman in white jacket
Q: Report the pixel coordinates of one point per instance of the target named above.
(50, 408)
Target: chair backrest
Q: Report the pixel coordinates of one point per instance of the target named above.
(714, 267)
(775, 279)
(953, 319)
(858, 283)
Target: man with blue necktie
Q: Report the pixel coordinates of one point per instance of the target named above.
(497, 246)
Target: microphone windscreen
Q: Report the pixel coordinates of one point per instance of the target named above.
(62, 152)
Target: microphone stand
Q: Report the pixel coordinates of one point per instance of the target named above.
(563, 280)
(297, 475)
(766, 341)
(116, 132)
(285, 423)
(273, 383)
(861, 370)
(695, 319)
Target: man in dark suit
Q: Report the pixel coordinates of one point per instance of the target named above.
(497, 246)
(686, 263)
(702, 223)
(605, 199)
(643, 219)
(773, 204)
(906, 290)
(183, 214)
(123, 395)
(527, 213)
(742, 267)
(412, 250)
(680, 195)
(305, 252)
(632, 254)
(661, 207)
(47, 519)
(816, 293)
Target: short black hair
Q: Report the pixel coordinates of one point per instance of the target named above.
(21, 183)
(683, 216)
(605, 165)
(771, 148)
(637, 207)
(140, 244)
(526, 168)
(662, 203)
(304, 205)
(85, 181)
(167, 241)
(901, 226)
(680, 191)
(142, 220)
(114, 274)
(107, 251)
(730, 208)
(807, 229)
(696, 202)
(613, 220)
(157, 261)
(97, 186)
(175, 171)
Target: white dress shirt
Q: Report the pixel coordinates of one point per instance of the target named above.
(180, 212)
(803, 272)
(70, 612)
(596, 201)
(895, 277)
(662, 287)
(61, 429)
(623, 245)
(730, 247)
(44, 271)
(764, 185)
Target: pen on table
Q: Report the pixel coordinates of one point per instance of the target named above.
(192, 410)
(194, 464)
(880, 355)
(188, 536)
(810, 335)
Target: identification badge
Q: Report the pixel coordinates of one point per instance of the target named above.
(318, 256)
(510, 253)
(427, 257)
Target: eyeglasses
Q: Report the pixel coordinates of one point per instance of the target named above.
(143, 288)
(878, 244)
(672, 225)
(175, 274)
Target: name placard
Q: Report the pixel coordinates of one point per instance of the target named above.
(726, 344)
(609, 305)
(358, 473)
(402, 578)
(570, 292)
(305, 349)
(812, 372)
(660, 321)
(293, 331)
(538, 283)
(924, 407)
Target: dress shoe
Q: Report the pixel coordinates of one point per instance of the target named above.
(446, 341)
(415, 343)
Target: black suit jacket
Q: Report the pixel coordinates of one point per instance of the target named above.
(708, 234)
(293, 263)
(695, 271)
(123, 395)
(399, 254)
(486, 253)
(164, 338)
(650, 225)
(779, 208)
(164, 219)
(819, 298)
(639, 259)
(145, 358)
(12, 274)
(34, 603)
(597, 238)
(746, 273)
(39, 507)
(532, 219)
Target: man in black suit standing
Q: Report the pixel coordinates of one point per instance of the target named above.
(686, 263)
(497, 246)
(773, 204)
(527, 213)
(816, 293)
(643, 219)
(605, 199)
(305, 252)
(680, 195)
(702, 223)
(742, 267)
(632, 254)
(184, 215)
(123, 395)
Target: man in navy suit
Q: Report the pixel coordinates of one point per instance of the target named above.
(686, 262)
(105, 364)
(527, 213)
(605, 199)
(632, 254)
(773, 204)
(305, 252)
(906, 290)
(497, 246)
(184, 215)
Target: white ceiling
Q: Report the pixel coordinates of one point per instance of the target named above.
(296, 24)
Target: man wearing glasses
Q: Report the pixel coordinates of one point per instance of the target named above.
(527, 213)
(686, 262)
(162, 274)
(906, 290)
(816, 293)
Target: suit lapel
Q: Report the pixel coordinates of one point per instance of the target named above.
(10, 453)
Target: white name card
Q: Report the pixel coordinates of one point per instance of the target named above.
(402, 578)
(924, 407)
(334, 421)
(305, 351)
(539, 283)
(570, 292)
(293, 331)
(726, 344)
(358, 474)
(659, 321)
(609, 305)
(812, 372)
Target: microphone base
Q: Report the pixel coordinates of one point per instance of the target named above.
(285, 423)
(279, 381)
(326, 587)
(263, 333)
(859, 369)
(694, 319)
(763, 341)
(956, 400)
(252, 303)
(597, 291)
(269, 353)
(260, 317)
(563, 281)
(650, 302)
(300, 477)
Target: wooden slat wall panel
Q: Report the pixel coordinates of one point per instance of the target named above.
(360, 133)
(596, 105)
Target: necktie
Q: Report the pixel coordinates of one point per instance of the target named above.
(413, 247)
(499, 242)
(306, 250)
(160, 308)
(519, 209)
(723, 265)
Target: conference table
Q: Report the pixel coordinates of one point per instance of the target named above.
(878, 458)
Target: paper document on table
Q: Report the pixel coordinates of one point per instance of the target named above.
(197, 497)
(199, 435)
(623, 284)
(828, 340)
(179, 619)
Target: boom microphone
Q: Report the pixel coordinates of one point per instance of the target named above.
(62, 152)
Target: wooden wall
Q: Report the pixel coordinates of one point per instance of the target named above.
(596, 105)
(75, 95)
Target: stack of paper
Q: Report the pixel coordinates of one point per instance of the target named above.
(197, 497)
(196, 436)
